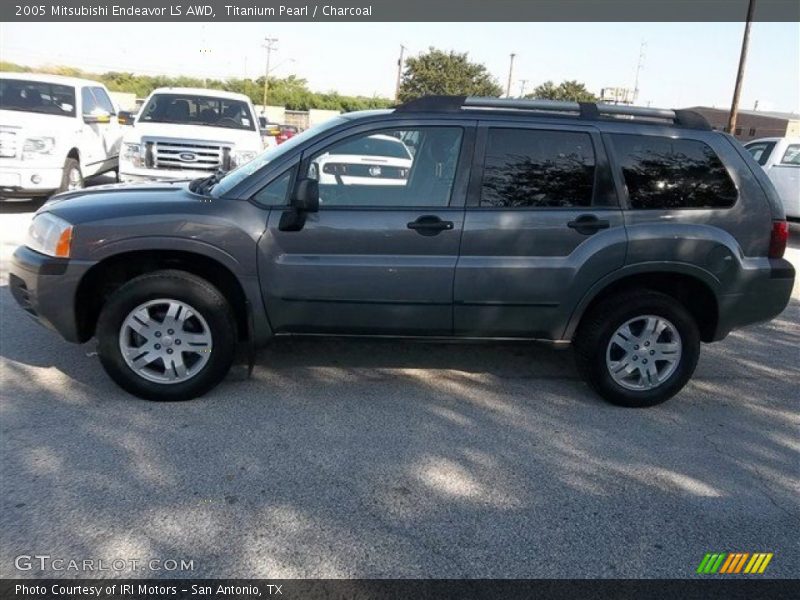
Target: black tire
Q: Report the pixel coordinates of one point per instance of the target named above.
(602, 321)
(207, 300)
(70, 165)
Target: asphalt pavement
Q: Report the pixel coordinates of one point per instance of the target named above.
(396, 459)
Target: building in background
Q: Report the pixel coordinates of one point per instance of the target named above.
(753, 124)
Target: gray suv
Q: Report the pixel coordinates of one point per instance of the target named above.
(631, 233)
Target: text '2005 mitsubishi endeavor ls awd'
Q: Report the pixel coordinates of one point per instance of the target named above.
(632, 233)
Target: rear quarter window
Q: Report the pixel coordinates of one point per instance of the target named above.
(792, 155)
(669, 173)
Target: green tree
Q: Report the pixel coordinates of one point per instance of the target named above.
(566, 90)
(446, 73)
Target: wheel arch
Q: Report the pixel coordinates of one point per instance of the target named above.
(694, 287)
(110, 273)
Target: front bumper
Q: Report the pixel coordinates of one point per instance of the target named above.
(45, 287)
(764, 296)
(24, 181)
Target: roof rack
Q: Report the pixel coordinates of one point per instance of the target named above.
(583, 110)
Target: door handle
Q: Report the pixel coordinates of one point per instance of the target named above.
(430, 225)
(588, 224)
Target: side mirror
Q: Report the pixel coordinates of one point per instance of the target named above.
(99, 116)
(125, 117)
(306, 196)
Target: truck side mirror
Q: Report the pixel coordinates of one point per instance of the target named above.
(306, 196)
(125, 117)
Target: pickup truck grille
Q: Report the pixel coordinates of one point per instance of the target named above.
(186, 156)
(8, 144)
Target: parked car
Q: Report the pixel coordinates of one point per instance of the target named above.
(780, 158)
(269, 132)
(373, 160)
(634, 239)
(287, 132)
(183, 133)
(54, 132)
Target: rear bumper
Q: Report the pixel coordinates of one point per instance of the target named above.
(45, 288)
(765, 295)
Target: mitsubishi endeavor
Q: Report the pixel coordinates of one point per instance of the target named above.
(633, 234)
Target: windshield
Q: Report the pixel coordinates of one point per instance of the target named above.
(191, 109)
(238, 175)
(37, 97)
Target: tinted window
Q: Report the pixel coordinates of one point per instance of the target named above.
(37, 97)
(760, 151)
(198, 110)
(88, 101)
(103, 101)
(377, 169)
(664, 172)
(792, 155)
(537, 169)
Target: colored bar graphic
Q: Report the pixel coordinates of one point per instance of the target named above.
(733, 562)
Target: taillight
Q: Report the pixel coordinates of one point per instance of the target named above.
(778, 239)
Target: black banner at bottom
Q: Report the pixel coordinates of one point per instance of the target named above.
(398, 589)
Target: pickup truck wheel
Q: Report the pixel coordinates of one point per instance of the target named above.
(72, 178)
(637, 349)
(167, 335)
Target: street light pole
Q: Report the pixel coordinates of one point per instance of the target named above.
(269, 45)
(510, 75)
(522, 84)
(737, 90)
(399, 73)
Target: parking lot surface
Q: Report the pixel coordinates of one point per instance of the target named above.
(397, 459)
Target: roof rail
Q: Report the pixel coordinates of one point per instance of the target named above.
(583, 110)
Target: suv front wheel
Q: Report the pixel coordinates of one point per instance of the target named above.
(637, 349)
(166, 335)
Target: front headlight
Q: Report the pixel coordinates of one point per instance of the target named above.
(132, 153)
(50, 235)
(36, 147)
(241, 157)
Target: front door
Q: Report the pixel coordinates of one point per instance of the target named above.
(542, 225)
(379, 256)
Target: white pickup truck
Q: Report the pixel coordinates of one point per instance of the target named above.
(780, 158)
(183, 133)
(54, 132)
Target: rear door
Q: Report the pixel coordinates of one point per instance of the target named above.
(542, 225)
(380, 255)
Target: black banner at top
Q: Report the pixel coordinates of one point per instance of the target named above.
(395, 10)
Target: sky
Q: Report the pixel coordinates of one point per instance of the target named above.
(685, 64)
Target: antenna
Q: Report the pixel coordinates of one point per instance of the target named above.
(639, 67)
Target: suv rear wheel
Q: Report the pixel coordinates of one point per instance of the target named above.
(637, 349)
(167, 335)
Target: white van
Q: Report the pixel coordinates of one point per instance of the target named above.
(54, 132)
(185, 133)
(780, 158)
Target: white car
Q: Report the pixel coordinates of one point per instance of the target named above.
(374, 160)
(185, 133)
(54, 132)
(780, 158)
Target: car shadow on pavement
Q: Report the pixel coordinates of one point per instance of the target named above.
(396, 459)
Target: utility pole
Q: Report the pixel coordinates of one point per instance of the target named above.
(510, 75)
(639, 67)
(522, 84)
(269, 44)
(737, 90)
(399, 73)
